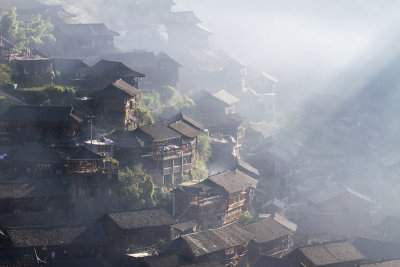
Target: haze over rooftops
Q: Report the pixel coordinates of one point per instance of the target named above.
(247, 167)
(185, 129)
(86, 30)
(181, 17)
(82, 153)
(119, 88)
(391, 159)
(31, 189)
(112, 68)
(141, 218)
(330, 253)
(159, 132)
(233, 182)
(334, 191)
(40, 113)
(21, 4)
(226, 97)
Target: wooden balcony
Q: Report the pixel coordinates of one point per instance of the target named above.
(177, 169)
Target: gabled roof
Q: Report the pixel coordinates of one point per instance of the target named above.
(330, 253)
(185, 118)
(247, 167)
(112, 69)
(233, 182)
(118, 89)
(34, 219)
(184, 226)
(334, 191)
(55, 236)
(40, 113)
(159, 132)
(69, 65)
(210, 241)
(35, 153)
(271, 228)
(275, 202)
(134, 59)
(137, 219)
(226, 97)
(5, 43)
(85, 30)
(185, 129)
(218, 119)
(31, 189)
(181, 17)
(280, 153)
(166, 60)
(83, 153)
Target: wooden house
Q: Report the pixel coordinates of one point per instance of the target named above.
(247, 169)
(226, 245)
(217, 200)
(34, 161)
(221, 102)
(263, 84)
(106, 72)
(163, 151)
(138, 228)
(183, 228)
(212, 69)
(33, 71)
(378, 250)
(5, 50)
(116, 104)
(273, 159)
(71, 71)
(41, 124)
(333, 254)
(340, 199)
(65, 242)
(26, 196)
(184, 31)
(83, 40)
(89, 175)
(273, 237)
(160, 69)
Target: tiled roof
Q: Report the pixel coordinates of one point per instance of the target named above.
(119, 88)
(55, 236)
(34, 219)
(233, 182)
(141, 218)
(391, 224)
(226, 97)
(82, 153)
(40, 113)
(69, 65)
(86, 30)
(247, 167)
(166, 60)
(185, 129)
(31, 189)
(159, 132)
(377, 249)
(334, 191)
(264, 261)
(209, 241)
(113, 69)
(185, 118)
(184, 226)
(330, 253)
(391, 263)
(35, 153)
(271, 229)
(210, 120)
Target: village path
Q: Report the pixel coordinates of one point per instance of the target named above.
(11, 97)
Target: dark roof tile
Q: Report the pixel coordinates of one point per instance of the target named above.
(86, 30)
(141, 218)
(233, 182)
(119, 88)
(159, 132)
(113, 69)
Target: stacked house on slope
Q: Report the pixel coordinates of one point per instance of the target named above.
(162, 150)
(216, 201)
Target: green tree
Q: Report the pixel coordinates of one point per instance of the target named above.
(5, 75)
(10, 28)
(136, 188)
(245, 218)
(39, 33)
(204, 148)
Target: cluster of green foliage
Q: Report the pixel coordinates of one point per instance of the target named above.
(245, 218)
(167, 101)
(201, 157)
(5, 75)
(46, 95)
(136, 189)
(32, 34)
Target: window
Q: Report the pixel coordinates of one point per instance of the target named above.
(93, 251)
(28, 170)
(109, 191)
(19, 130)
(17, 211)
(65, 252)
(58, 172)
(53, 255)
(50, 209)
(81, 191)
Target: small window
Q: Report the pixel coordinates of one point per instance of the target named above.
(50, 209)
(17, 211)
(109, 192)
(81, 191)
(93, 251)
(19, 130)
(58, 172)
(65, 252)
(28, 170)
(53, 255)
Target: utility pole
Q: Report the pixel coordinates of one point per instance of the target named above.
(90, 117)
